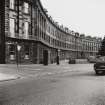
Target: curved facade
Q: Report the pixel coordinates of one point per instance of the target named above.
(31, 36)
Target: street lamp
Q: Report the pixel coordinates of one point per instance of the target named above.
(58, 54)
(76, 47)
(18, 48)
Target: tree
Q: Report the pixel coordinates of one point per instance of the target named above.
(102, 48)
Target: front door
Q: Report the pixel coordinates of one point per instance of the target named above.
(45, 57)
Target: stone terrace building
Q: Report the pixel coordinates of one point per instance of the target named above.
(26, 26)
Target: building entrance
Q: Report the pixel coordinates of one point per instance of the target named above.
(45, 57)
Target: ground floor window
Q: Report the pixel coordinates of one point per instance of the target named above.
(12, 51)
(27, 51)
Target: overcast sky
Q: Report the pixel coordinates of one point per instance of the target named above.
(83, 16)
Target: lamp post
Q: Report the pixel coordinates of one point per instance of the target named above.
(76, 43)
(58, 54)
(18, 48)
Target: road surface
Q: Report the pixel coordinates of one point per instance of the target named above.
(56, 85)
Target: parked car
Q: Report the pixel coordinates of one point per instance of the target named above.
(72, 61)
(99, 66)
(91, 59)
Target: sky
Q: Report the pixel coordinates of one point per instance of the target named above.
(83, 16)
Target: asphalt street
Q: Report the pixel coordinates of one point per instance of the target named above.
(74, 84)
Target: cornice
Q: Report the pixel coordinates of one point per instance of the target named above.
(58, 26)
(48, 18)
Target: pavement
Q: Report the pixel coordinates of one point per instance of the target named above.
(7, 77)
(12, 71)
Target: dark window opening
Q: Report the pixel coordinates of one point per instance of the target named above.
(12, 49)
